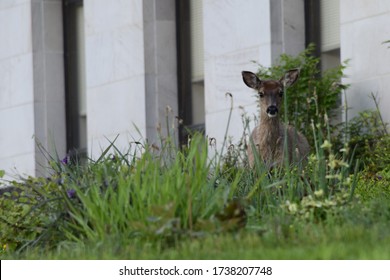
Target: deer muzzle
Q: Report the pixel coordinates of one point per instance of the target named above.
(272, 111)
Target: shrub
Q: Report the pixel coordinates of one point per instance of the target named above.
(368, 137)
(31, 213)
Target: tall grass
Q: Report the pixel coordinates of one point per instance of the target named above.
(168, 197)
(148, 198)
(190, 194)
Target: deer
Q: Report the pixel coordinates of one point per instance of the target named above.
(269, 135)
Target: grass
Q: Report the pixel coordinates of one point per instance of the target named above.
(177, 205)
(171, 203)
(317, 242)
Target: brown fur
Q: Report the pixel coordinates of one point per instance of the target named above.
(268, 137)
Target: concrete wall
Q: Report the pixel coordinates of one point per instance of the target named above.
(130, 70)
(287, 27)
(115, 71)
(17, 98)
(31, 84)
(160, 64)
(364, 26)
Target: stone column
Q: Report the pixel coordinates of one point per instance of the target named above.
(160, 65)
(115, 73)
(32, 104)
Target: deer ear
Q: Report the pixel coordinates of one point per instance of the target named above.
(290, 77)
(251, 80)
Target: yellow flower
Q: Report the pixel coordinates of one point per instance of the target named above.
(336, 176)
(326, 145)
(319, 193)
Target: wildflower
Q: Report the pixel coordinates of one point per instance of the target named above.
(326, 145)
(65, 160)
(319, 193)
(335, 176)
(212, 142)
(179, 120)
(168, 109)
(326, 119)
(312, 158)
(3, 249)
(345, 149)
(335, 163)
(348, 181)
(71, 193)
(292, 207)
(312, 124)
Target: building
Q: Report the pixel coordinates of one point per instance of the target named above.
(76, 74)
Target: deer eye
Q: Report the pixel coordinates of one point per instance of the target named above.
(281, 93)
(261, 93)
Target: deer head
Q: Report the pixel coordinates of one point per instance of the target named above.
(270, 91)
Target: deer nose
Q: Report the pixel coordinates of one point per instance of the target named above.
(272, 111)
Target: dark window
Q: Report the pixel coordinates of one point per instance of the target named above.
(322, 29)
(190, 66)
(76, 115)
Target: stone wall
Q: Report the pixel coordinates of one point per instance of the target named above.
(364, 28)
(31, 85)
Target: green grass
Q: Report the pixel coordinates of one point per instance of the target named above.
(180, 204)
(316, 242)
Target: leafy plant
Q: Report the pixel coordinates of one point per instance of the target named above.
(371, 186)
(367, 134)
(31, 213)
(317, 207)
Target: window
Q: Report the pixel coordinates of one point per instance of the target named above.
(330, 24)
(197, 62)
(330, 33)
(76, 113)
(190, 65)
(323, 28)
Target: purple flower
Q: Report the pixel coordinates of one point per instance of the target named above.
(71, 193)
(65, 160)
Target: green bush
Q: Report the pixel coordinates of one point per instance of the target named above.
(32, 213)
(371, 186)
(368, 137)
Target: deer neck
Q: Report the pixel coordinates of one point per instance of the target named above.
(270, 132)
